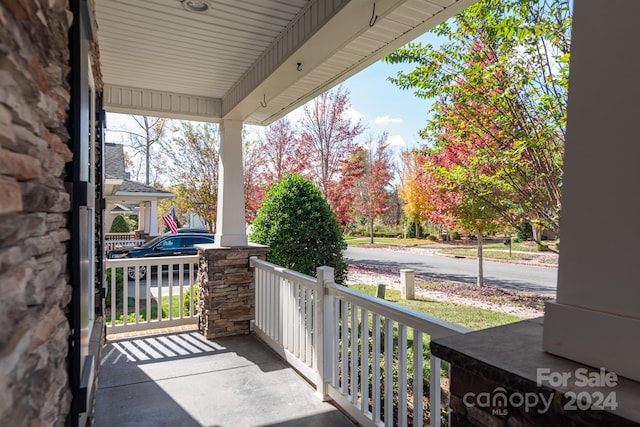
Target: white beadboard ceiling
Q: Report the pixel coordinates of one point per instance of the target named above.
(239, 60)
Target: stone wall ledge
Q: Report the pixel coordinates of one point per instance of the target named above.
(511, 357)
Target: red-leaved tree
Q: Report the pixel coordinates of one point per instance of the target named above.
(280, 151)
(372, 187)
(328, 137)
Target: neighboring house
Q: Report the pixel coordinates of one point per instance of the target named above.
(62, 63)
(121, 192)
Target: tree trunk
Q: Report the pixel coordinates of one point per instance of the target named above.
(417, 230)
(371, 223)
(480, 272)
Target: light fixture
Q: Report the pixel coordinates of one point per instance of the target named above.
(196, 6)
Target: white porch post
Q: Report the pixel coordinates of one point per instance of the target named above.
(153, 218)
(596, 319)
(146, 217)
(230, 225)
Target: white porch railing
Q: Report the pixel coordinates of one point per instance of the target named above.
(150, 293)
(339, 339)
(122, 243)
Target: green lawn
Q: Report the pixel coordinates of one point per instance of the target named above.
(470, 317)
(154, 309)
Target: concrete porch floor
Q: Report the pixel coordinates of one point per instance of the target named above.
(181, 379)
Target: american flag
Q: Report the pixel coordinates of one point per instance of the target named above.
(171, 220)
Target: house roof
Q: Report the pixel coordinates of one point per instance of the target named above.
(114, 169)
(129, 186)
(113, 161)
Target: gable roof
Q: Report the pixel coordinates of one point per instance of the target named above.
(129, 186)
(114, 169)
(113, 161)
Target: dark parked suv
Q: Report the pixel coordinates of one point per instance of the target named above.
(162, 246)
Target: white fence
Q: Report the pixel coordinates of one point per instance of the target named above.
(121, 243)
(346, 343)
(149, 293)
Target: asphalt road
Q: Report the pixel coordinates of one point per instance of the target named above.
(541, 280)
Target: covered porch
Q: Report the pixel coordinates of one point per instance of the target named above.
(182, 379)
(312, 46)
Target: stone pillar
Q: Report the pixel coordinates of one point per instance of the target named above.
(596, 318)
(226, 294)
(231, 225)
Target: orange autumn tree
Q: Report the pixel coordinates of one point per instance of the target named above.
(414, 188)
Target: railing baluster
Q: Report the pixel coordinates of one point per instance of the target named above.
(402, 375)
(354, 354)
(159, 299)
(148, 298)
(296, 320)
(181, 284)
(375, 348)
(418, 375)
(277, 302)
(114, 297)
(136, 304)
(364, 361)
(344, 358)
(388, 372)
(290, 309)
(336, 343)
(257, 274)
(309, 329)
(125, 297)
(271, 306)
(434, 392)
(302, 314)
(170, 280)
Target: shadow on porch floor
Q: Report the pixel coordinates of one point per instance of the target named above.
(181, 379)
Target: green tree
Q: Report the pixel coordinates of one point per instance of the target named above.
(119, 225)
(297, 223)
(193, 154)
(499, 82)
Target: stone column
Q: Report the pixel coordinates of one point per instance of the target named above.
(226, 291)
(231, 225)
(596, 319)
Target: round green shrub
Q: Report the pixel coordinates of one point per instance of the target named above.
(296, 222)
(119, 225)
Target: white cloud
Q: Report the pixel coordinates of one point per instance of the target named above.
(354, 114)
(386, 120)
(396, 141)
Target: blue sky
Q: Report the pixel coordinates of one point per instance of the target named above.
(384, 107)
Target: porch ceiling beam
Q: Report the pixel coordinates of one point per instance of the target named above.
(131, 100)
(320, 31)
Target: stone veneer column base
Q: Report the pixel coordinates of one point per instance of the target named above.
(226, 291)
(494, 382)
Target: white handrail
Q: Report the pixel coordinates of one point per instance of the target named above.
(346, 333)
(431, 325)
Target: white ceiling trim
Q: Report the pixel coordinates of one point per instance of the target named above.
(128, 100)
